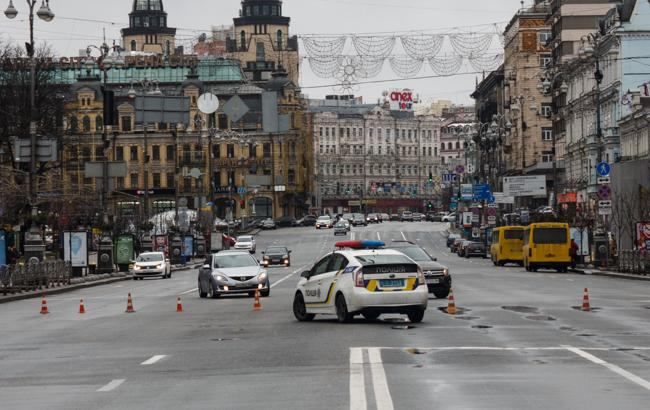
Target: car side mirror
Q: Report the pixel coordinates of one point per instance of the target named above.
(435, 259)
(305, 274)
(289, 251)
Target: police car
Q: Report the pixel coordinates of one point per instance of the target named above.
(362, 278)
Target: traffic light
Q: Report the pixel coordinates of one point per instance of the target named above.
(430, 178)
(430, 205)
(242, 204)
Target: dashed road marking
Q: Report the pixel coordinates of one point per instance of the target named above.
(189, 291)
(112, 385)
(153, 360)
(403, 236)
(378, 236)
(618, 370)
(274, 284)
(357, 382)
(379, 382)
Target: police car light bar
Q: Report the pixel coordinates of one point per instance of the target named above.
(365, 244)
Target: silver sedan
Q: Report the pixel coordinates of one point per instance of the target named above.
(232, 272)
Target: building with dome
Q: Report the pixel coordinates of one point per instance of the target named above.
(148, 31)
(263, 42)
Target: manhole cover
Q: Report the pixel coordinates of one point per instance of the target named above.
(467, 317)
(541, 318)
(592, 309)
(403, 327)
(459, 310)
(520, 309)
(481, 327)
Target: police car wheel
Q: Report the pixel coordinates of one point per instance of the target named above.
(300, 310)
(342, 314)
(371, 315)
(416, 316)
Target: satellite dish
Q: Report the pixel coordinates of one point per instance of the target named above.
(208, 103)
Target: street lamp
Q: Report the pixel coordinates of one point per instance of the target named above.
(45, 14)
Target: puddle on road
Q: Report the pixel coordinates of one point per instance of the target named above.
(403, 327)
(481, 327)
(586, 335)
(568, 329)
(467, 317)
(521, 309)
(224, 339)
(541, 318)
(592, 309)
(459, 310)
(415, 351)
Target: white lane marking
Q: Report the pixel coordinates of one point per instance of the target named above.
(287, 276)
(352, 235)
(153, 360)
(112, 385)
(379, 382)
(378, 237)
(357, 383)
(618, 370)
(189, 291)
(403, 236)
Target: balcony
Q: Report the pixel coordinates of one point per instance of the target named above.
(192, 159)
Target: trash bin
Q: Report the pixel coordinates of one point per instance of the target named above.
(200, 246)
(176, 250)
(34, 246)
(105, 255)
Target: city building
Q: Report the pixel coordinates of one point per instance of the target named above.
(263, 42)
(216, 44)
(148, 31)
(373, 157)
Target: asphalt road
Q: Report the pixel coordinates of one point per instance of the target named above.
(519, 344)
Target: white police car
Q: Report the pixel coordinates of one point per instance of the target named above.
(362, 278)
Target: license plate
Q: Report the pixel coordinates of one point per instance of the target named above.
(392, 283)
(433, 281)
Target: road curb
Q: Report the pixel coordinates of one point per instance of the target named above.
(618, 275)
(65, 289)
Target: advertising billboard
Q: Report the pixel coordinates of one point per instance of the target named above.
(124, 250)
(75, 248)
(161, 244)
(643, 235)
(402, 100)
(188, 246)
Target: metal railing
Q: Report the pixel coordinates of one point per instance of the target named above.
(637, 262)
(34, 276)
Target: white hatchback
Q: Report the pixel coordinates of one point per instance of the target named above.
(369, 282)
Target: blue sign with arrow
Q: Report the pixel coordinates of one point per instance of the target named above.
(603, 169)
(482, 192)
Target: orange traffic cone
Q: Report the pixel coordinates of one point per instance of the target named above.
(586, 307)
(129, 305)
(44, 310)
(179, 305)
(257, 306)
(451, 306)
(82, 308)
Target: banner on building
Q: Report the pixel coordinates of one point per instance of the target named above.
(75, 248)
(124, 250)
(643, 235)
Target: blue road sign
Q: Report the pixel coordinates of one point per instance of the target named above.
(603, 169)
(449, 178)
(482, 192)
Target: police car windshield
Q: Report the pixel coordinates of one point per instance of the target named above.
(234, 261)
(367, 260)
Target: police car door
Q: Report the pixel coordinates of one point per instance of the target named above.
(313, 293)
(329, 280)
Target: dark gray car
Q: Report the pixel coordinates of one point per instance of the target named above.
(232, 272)
(436, 275)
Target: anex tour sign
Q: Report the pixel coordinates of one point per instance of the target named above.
(402, 100)
(528, 185)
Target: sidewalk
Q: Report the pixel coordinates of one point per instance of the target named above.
(88, 281)
(619, 275)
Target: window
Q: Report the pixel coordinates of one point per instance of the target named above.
(126, 123)
(119, 153)
(547, 134)
(545, 37)
(547, 156)
(327, 132)
(99, 123)
(354, 132)
(134, 153)
(260, 53)
(134, 46)
(242, 39)
(230, 151)
(320, 133)
(280, 39)
(545, 60)
(170, 152)
(119, 183)
(546, 110)
(170, 180)
(134, 181)
(370, 132)
(321, 266)
(267, 150)
(291, 177)
(156, 180)
(155, 152)
(86, 123)
(337, 262)
(252, 151)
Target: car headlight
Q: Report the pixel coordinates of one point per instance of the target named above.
(159, 266)
(219, 277)
(261, 277)
(136, 267)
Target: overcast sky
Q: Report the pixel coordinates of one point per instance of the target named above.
(68, 32)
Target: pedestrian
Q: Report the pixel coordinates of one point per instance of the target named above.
(12, 255)
(573, 251)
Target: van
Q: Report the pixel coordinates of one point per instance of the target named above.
(507, 245)
(547, 246)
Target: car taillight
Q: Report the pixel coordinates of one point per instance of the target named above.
(421, 279)
(358, 279)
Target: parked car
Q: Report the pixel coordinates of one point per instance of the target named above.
(373, 219)
(451, 238)
(307, 220)
(462, 247)
(268, 223)
(285, 222)
(449, 217)
(246, 243)
(324, 222)
(418, 217)
(359, 219)
(394, 217)
(232, 272)
(407, 216)
(342, 227)
(384, 217)
(151, 264)
(430, 217)
(475, 249)
(276, 255)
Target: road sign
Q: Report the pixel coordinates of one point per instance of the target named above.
(529, 185)
(501, 198)
(604, 207)
(449, 178)
(603, 169)
(460, 169)
(482, 192)
(470, 169)
(604, 180)
(466, 192)
(604, 192)
(492, 211)
(492, 220)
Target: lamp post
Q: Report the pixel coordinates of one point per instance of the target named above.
(500, 126)
(149, 87)
(44, 13)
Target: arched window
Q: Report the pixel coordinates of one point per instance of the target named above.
(99, 123)
(86, 123)
(74, 124)
(242, 39)
(134, 45)
(458, 145)
(280, 39)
